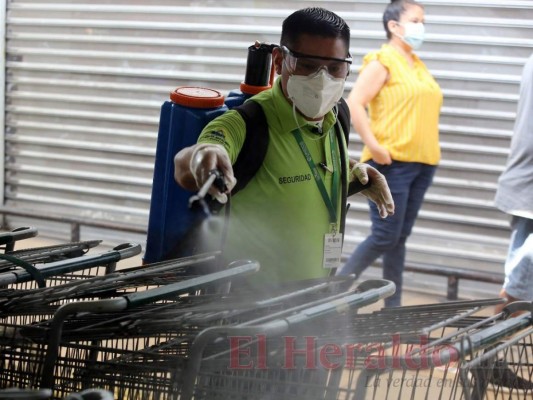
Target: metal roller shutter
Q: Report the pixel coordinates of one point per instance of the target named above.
(85, 82)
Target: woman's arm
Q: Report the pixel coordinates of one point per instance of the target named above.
(368, 84)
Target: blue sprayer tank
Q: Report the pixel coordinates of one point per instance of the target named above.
(181, 121)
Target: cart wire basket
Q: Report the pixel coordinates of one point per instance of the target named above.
(138, 345)
(25, 337)
(21, 307)
(417, 352)
(178, 336)
(424, 364)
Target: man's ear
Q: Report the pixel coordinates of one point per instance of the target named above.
(277, 56)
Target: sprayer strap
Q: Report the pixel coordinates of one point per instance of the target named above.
(255, 144)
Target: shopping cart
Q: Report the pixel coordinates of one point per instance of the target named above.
(19, 274)
(408, 352)
(405, 352)
(492, 353)
(144, 351)
(24, 342)
(20, 296)
(503, 366)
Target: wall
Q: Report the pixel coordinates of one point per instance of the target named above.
(85, 82)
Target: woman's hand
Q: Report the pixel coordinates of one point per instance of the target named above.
(381, 155)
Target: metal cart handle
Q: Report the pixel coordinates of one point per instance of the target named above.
(9, 238)
(491, 335)
(149, 296)
(133, 300)
(368, 292)
(73, 264)
(374, 290)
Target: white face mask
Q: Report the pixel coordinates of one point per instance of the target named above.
(415, 33)
(315, 95)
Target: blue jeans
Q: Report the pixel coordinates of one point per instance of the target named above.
(408, 183)
(519, 263)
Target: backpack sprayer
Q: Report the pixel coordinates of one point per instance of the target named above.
(259, 76)
(172, 209)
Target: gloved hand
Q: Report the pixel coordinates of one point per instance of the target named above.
(206, 158)
(378, 192)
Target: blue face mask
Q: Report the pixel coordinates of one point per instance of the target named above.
(415, 34)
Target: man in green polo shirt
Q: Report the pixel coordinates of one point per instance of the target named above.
(289, 217)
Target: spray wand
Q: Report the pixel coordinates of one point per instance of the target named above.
(215, 178)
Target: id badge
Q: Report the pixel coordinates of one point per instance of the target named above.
(332, 250)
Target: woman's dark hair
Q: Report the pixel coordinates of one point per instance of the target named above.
(393, 12)
(314, 21)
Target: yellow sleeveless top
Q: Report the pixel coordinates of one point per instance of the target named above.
(404, 115)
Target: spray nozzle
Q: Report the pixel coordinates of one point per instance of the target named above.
(219, 182)
(264, 46)
(215, 178)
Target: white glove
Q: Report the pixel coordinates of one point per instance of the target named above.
(378, 191)
(206, 158)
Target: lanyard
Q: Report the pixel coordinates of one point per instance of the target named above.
(331, 203)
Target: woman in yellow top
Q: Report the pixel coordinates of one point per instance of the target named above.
(400, 133)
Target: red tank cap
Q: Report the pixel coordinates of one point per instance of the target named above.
(253, 90)
(197, 97)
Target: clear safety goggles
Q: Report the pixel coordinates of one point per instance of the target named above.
(305, 64)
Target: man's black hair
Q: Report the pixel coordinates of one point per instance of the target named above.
(393, 12)
(314, 21)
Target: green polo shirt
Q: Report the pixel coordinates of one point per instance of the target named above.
(280, 217)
